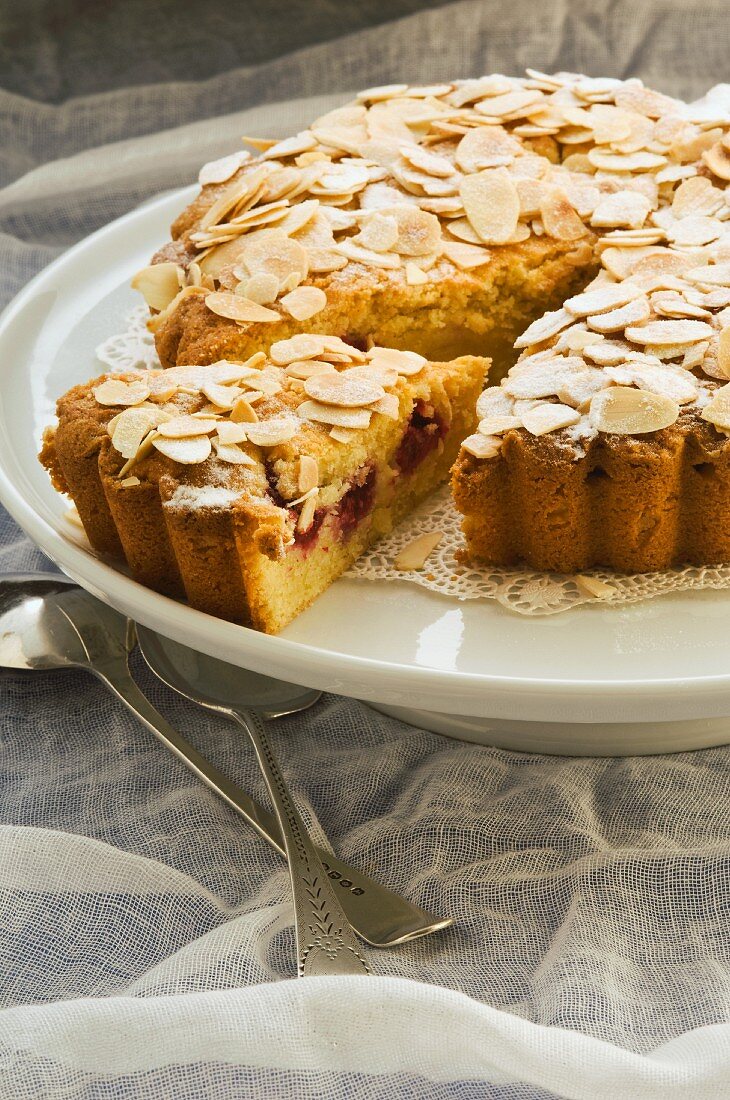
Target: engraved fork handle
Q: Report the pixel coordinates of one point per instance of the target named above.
(326, 943)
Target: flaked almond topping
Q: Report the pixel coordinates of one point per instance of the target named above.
(388, 405)
(407, 363)
(130, 428)
(231, 431)
(221, 170)
(221, 396)
(188, 451)
(130, 482)
(302, 346)
(366, 256)
(334, 414)
(159, 284)
(262, 288)
(602, 298)
(499, 424)
(625, 162)
(661, 333)
(465, 255)
(712, 275)
(307, 368)
(243, 412)
(717, 410)
(626, 411)
(113, 391)
(306, 515)
(494, 402)
(622, 208)
(550, 324)
(717, 159)
(235, 308)
(594, 586)
(343, 389)
(431, 163)
(419, 233)
(416, 553)
(379, 233)
(232, 454)
(308, 474)
(342, 435)
(559, 217)
(723, 353)
(491, 203)
(304, 302)
(272, 432)
(486, 147)
(674, 382)
(482, 446)
(180, 427)
(542, 419)
(415, 276)
(617, 319)
(696, 196)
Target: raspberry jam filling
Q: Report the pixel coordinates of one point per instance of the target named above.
(345, 516)
(424, 432)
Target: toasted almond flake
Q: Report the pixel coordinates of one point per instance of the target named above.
(625, 162)
(415, 554)
(405, 362)
(262, 288)
(343, 435)
(491, 203)
(188, 451)
(71, 515)
(308, 477)
(712, 275)
(343, 389)
(577, 388)
(550, 324)
(465, 256)
(306, 515)
(717, 410)
(334, 414)
(272, 252)
(114, 391)
(694, 230)
(431, 163)
(482, 446)
(301, 346)
(379, 232)
(510, 104)
(668, 303)
(696, 196)
(367, 256)
(419, 233)
(304, 302)
(307, 368)
(229, 431)
(542, 419)
(498, 424)
(242, 411)
(232, 454)
(381, 92)
(616, 320)
(601, 299)
(558, 216)
(289, 147)
(130, 482)
(622, 208)
(594, 586)
(661, 333)
(723, 352)
(221, 396)
(388, 405)
(130, 429)
(221, 170)
(375, 371)
(626, 411)
(462, 228)
(414, 275)
(486, 147)
(159, 284)
(717, 159)
(272, 432)
(674, 382)
(235, 308)
(182, 427)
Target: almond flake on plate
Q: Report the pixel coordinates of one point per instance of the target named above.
(187, 451)
(235, 308)
(304, 302)
(159, 284)
(415, 553)
(113, 391)
(491, 203)
(626, 411)
(594, 586)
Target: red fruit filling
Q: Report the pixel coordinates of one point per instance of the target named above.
(350, 510)
(425, 429)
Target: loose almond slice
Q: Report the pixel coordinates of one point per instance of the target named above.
(542, 419)
(230, 431)
(482, 446)
(188, 451)
(617, 319)
(235, 308)
(272, 432)
(661, 333)
(130, 428)
(232, 454)
(306, 515)
(550, 324)
(130, 482)
(415, 554)
(594, 586)
(491, 203)
(717, 411)
(113, 391)
(343, 389)
(334, 414)
(308, 474)
(602, 298)
(407, 363)
(159, 284)
(626, 411)
(304, 302)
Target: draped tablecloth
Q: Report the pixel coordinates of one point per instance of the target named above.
(146, 942)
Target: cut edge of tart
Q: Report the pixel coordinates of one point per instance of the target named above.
(248, 488)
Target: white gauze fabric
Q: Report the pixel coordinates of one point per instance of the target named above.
(146, 941)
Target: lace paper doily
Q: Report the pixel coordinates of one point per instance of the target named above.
(526, 592)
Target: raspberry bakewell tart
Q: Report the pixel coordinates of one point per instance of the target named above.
(249, 487)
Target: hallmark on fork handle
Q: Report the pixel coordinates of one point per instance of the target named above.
(345, 883)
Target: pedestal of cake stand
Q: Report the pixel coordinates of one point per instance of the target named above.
(571, 738)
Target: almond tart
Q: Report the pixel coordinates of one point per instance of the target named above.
(248, 487)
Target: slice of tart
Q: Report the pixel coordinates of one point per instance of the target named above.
(249, 487)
